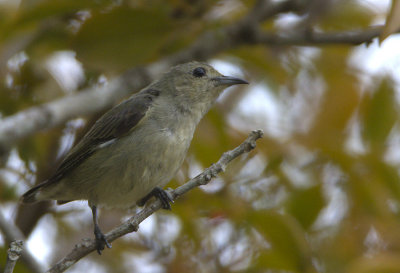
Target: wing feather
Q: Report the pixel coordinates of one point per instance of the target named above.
(114, 124)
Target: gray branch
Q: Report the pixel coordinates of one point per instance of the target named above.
(11, 233)
(95, 99)
(132, 224)
(314, 38)
(51, 114)
(13, 254)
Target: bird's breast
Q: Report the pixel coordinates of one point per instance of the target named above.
(149, 157)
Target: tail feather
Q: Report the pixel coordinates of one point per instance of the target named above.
(31, 195)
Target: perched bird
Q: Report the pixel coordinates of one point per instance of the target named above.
(137, 147)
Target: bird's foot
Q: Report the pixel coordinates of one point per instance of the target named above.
(101, 240)
(164, 196)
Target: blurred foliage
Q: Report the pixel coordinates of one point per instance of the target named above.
(321, 195)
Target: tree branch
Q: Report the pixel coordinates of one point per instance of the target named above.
(12, 233)
(51, 114)
(13, 254)
(314, 38)
(94, 99)
(132, 224)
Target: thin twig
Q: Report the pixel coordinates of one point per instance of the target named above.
(132, 224)
(11, 233)
(13, 254)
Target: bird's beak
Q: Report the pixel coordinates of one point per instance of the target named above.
(228, 81)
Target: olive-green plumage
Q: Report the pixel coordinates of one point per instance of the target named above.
(138, 145)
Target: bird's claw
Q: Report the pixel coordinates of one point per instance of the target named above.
(164, 196)
(101, 240)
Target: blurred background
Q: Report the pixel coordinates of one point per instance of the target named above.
(320, 193)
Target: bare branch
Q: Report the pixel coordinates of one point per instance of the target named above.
(48, 115)
(313, 38)
(132, 224)
(13, 254)
(11, 233)
(211, 172)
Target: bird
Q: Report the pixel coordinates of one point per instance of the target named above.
(136, 147)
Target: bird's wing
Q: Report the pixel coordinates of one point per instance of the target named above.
(114, 124)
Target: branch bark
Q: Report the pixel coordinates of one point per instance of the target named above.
(132, 224)
(314, 38)
(49, 115)
(12, 233)
(13, 254)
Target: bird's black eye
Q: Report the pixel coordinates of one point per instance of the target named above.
(199, 72)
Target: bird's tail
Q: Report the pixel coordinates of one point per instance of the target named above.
(31, 195)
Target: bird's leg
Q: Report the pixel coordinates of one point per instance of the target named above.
(101, 240)
(160, 194)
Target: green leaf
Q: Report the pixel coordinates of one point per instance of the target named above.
(289, 249)
(379, 114)
(122, 37)
(305, 205)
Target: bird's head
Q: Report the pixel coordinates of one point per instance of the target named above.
(196, 83)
